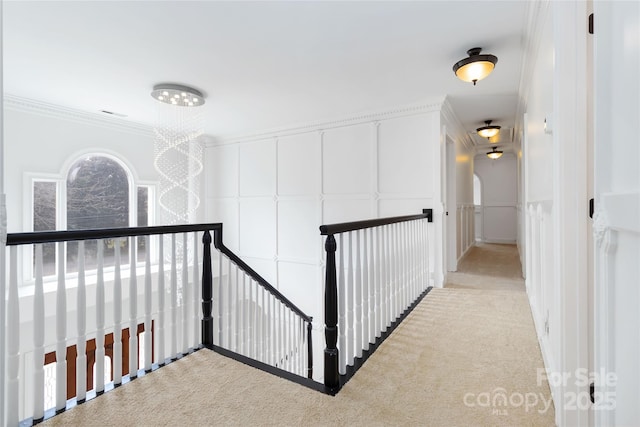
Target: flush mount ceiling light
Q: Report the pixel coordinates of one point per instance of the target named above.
(488, 131)
(475, 67)
(179, 95)
(494, 154)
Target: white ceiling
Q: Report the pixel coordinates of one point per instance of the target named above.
(264, 65)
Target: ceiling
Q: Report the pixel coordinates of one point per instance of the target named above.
(264, 65)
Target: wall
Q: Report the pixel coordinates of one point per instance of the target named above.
(499, 197)
(461, 237)
(42, 138)
(273, 192)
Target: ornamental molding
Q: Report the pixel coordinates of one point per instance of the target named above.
(323, 125)
(44, 109)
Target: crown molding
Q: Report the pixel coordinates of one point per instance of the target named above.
(451, 117)
(44, 109)
(320, 125)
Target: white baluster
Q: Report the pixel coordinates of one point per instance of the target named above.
(242, 313)
(100, 313)
(147, 304)
(372, 288)
(390, 277)
(349, 286)
(13, 342)
(428, 252)
(270, 344)
(292, 342)
(81, 308)
(161, 293)
(133, 310)
(396, 270)
(251, 304)
(261, 326)
(364, 344)
(379, 282)
(228, 308)
(342, 301)
(358, 300)
(174, 300)
(236, 312)
(197, 292)
(117, 316)
(220, 300)
(61, 332)
(185, 293)
(38, 338)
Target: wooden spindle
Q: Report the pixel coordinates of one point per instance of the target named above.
(207, 291)
(241, 312)
(117, 316)
(100, 314)
(349, 284)
(133, 310)
(220, 300)
(364, 344)
(238, 312)
(148, 351)
(379, 282)
(13, 342)
(358, 297)
(61, 332)
(81, 320)
(331, 377)
(197, 290)
(342, 301)
(372, 288)
(309, 350)
(228, 311)
(185, 294)
(161, 310)
(38, 337)
(174, 300)
(252, 320)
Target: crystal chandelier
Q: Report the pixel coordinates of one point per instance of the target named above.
(177, 151)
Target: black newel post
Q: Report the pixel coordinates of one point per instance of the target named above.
(309, 350)
(331, 377)
(207, 292)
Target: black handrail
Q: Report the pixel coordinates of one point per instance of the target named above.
(217, 242)
(207, 280)
(326, 230)
(104, 233)
(331, 374)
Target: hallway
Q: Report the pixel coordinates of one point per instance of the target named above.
(467, 355)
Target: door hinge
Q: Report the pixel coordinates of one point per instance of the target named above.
(591, 208)
(591, 23)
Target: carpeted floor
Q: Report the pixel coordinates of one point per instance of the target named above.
(467, 355)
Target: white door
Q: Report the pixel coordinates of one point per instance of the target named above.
(617, 212)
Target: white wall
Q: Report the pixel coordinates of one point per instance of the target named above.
(272, 193)
(461, 237)
(43, 139)
(499, 197)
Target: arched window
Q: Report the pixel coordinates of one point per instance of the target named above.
(477, 191)
(95, 193)
(97, 197)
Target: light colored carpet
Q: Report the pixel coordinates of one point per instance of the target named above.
(447, 364)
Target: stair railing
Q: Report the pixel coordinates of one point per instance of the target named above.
(381, 272)
(251, 317)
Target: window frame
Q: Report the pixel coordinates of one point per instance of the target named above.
(61, 209)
